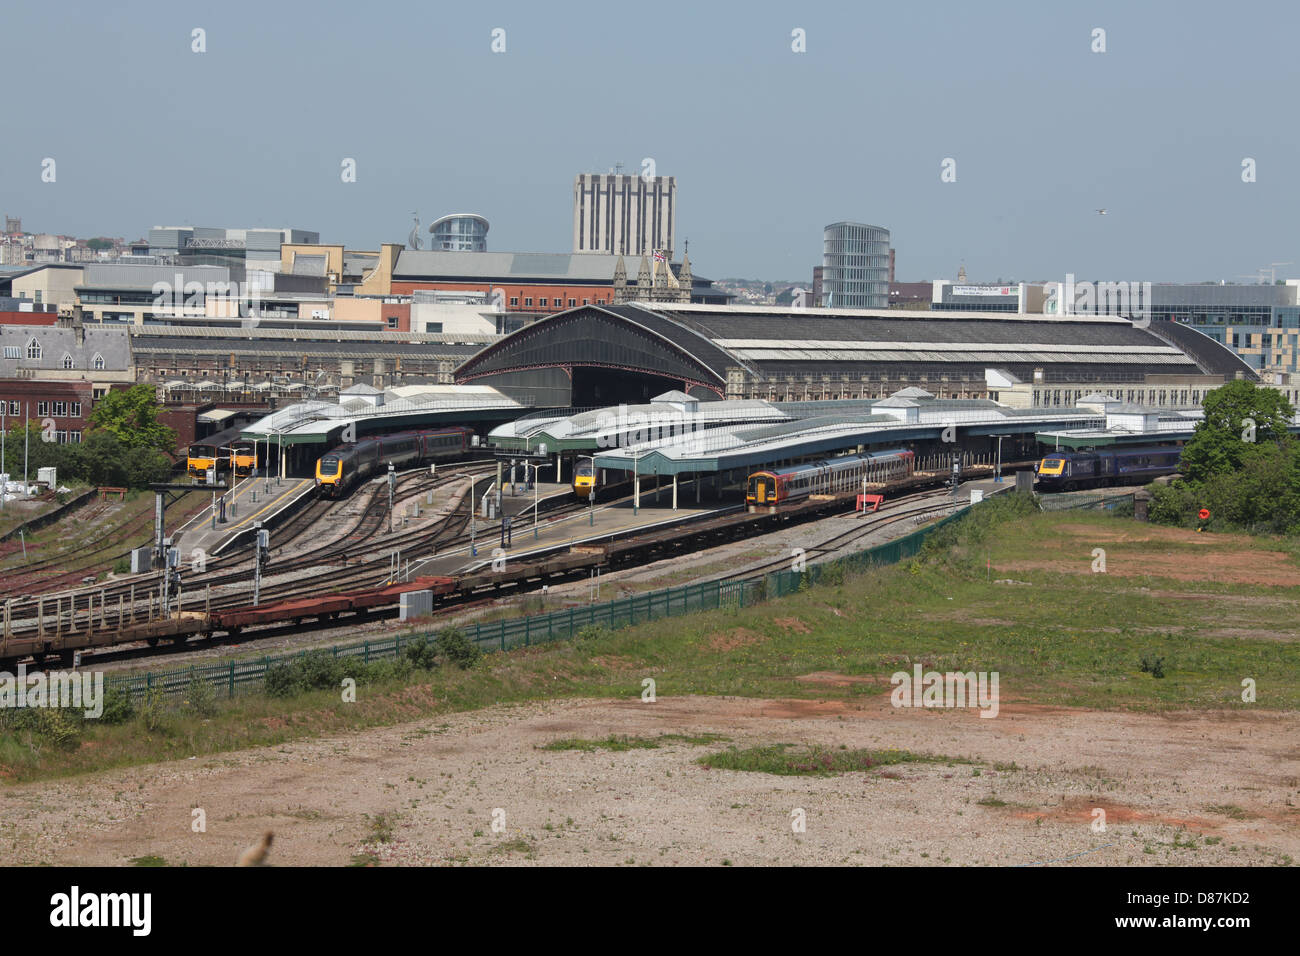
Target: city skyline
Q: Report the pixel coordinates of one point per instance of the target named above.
(779, 146)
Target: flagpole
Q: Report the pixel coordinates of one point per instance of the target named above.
(27, 407)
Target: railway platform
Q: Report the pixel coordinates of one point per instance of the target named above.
(249, 501)
(590, 527)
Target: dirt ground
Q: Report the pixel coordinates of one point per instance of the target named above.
(1222, 557)
(1176, 789)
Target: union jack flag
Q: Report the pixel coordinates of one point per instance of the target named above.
(659, 256)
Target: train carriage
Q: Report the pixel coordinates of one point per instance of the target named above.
(846, 473)
(338, 471)
(1068, 471)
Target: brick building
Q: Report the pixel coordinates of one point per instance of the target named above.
(60, 408)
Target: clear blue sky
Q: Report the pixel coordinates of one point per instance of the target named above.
(768, 145)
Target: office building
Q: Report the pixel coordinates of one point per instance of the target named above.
(617, 214)
(855, 266)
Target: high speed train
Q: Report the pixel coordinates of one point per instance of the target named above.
(338, 471)
(834, 474)
(1066, 471)
(584, 480)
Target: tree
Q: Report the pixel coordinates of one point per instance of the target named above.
(132, 415)
(1220, 441)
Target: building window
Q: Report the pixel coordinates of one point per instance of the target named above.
(528, 302)
(15, 408)
(13, 352)
(60, 409)
(33, 349)
(573, 302)
(514, 300)
(42, 408)
(392, 321)
(74, 437)
(76, 409)
(541, 303)
(586, 302)
(68, 361)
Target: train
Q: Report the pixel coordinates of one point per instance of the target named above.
(338, 471)
(845, 473)
(1068, 471)
(584, 480)
(224, 451)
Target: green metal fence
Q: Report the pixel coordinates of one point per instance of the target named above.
(232, 677)
(1074, 502)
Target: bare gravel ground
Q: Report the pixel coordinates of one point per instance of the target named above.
(1177, 789)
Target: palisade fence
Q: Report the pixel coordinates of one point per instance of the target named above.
(233, 677)
(1074, 502)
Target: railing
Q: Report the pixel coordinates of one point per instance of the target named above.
(1072, 502)
(232, 676)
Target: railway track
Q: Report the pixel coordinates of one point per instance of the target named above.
(374, 568)
(926, 503)
(26, 613)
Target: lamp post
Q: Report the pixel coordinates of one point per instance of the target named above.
(536, 498)
(591, 498)
(473, 549)
(997, 474)
(636, 485)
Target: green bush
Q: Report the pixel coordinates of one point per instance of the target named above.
(58, 726)
(421, 654)
(1173, 504)
(281, 681)
(455, 648)
(118, 708)
(154, 712)
(200, 698)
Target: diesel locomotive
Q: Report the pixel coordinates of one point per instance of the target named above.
(1068, 471)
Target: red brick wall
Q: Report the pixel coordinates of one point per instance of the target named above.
(32, 392)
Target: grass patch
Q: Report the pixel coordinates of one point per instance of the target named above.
(517, 844)
(621, 742)
(789, 760)
(148, 861)
(1231, 811)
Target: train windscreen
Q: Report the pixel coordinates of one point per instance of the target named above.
(329, 465)
(202, 451)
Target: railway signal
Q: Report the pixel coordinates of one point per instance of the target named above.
(171, 579)
(261, 557)
(392, 485)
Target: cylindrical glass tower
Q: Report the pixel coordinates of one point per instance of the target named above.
(461, 232)
(855, 266)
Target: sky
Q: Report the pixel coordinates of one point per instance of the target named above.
(768, 145)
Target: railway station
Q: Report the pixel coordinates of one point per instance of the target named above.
(299, 434)
(607, 355)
